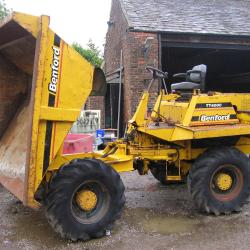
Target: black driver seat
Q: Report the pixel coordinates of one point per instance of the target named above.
(195, 79)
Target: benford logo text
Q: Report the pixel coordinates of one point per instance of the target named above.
(55, 69)
(208, 118)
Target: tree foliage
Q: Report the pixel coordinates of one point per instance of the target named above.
(3, 9)
(92, 53)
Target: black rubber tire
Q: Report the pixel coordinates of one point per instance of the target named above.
(63, 186)
(200, 179)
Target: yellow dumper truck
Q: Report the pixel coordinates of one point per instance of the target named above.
(192, 133)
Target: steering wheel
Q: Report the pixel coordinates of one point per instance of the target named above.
(156, 73)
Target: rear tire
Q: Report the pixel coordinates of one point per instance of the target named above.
(85, 197)
(219, 181)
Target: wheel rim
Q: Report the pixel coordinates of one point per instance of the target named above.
(90, 202)
(86, 200)
(226, 182)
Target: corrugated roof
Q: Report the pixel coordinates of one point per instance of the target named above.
(229, 17)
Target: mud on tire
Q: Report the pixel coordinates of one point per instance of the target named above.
(74, 220)
(219, 180)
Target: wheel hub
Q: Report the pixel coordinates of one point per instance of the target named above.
(86, 200)
(224, 181)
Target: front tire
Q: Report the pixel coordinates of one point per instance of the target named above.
(85, 197)
(219, 181)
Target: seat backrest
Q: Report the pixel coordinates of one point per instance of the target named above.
(199, 76)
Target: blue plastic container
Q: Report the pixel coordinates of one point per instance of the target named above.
(100, 133)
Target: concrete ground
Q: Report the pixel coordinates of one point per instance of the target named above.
(155, 217)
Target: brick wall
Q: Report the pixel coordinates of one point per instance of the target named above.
(97, 103)
(136, 78)
(115, 38)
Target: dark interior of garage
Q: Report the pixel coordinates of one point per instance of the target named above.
(111, 105)
(228, 69)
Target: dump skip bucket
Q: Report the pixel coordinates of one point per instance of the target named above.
(44, 84)
(17, 54)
